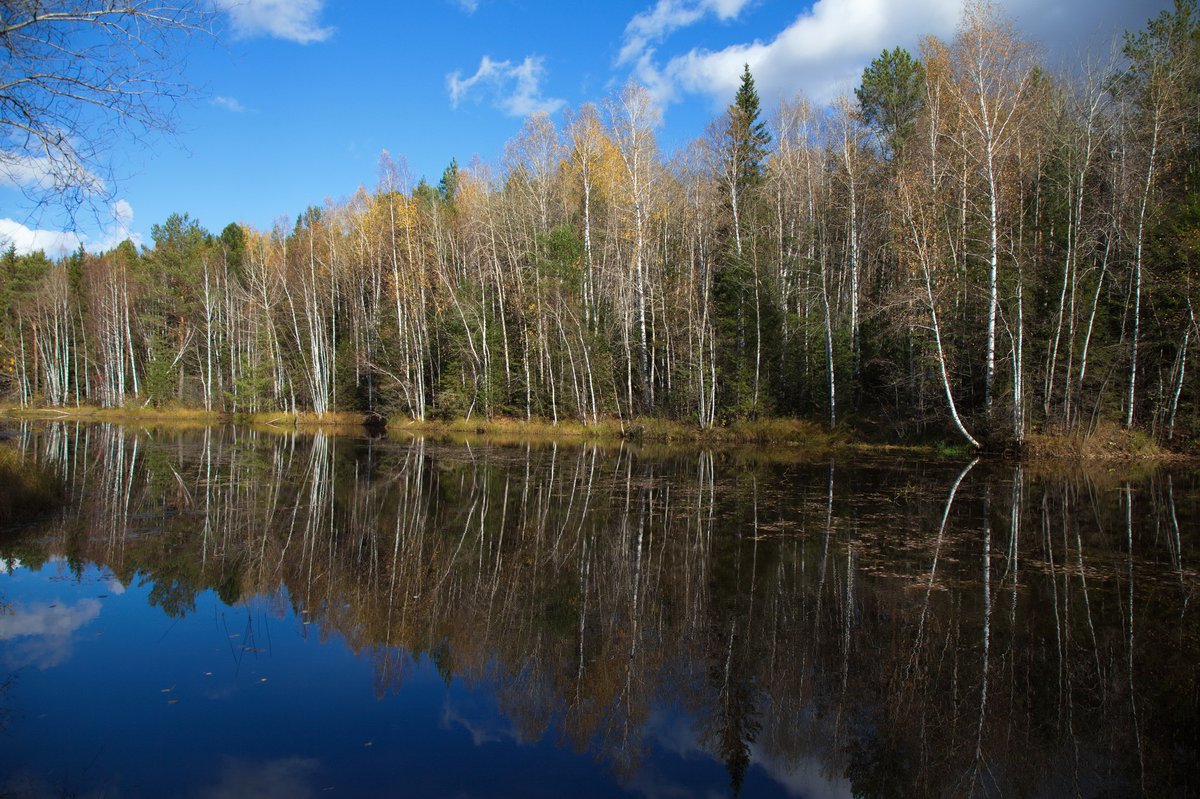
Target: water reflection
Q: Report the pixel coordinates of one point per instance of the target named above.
(870, 628)
(39, 634)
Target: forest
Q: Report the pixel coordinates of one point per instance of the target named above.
(970, 247)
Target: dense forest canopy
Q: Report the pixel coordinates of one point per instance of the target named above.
(968, 246)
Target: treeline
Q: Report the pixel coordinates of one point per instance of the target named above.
(969, 244)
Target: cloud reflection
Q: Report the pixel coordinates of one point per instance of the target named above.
(282, 778)
(478, 715)
(42, 632)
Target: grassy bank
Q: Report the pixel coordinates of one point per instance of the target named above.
(1106, 443)
(92, 413)
(185, 416)
(335, 420)
(790, 434)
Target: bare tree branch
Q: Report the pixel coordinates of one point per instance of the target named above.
(77, 77)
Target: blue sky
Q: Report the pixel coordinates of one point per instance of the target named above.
(296, 99)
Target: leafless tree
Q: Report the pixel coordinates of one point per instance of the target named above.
(78, 76)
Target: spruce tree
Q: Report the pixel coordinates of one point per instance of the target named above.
(747, 131)
(744, 304)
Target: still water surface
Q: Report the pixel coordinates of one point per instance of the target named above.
(228, 613)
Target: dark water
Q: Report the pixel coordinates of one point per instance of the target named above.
(225, 613)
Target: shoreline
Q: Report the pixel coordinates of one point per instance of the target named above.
(1107, 444)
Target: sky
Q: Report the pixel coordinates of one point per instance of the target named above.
(294, 101)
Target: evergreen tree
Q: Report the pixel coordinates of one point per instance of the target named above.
(744, 308)
(747, 131)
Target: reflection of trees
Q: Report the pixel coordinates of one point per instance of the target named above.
(937, 629)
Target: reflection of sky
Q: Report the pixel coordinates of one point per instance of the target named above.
(41, 632)
(677, 733)
(479, 714)
(805, 778)
(244, 701)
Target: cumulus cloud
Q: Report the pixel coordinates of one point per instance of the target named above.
(654, 24)
(228, 103)
(292, 20)
(821, 53)
(54, 243)
(57, 243)
(514, 88)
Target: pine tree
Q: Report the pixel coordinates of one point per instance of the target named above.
(890, 96)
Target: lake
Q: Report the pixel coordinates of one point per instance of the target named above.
(228, 612)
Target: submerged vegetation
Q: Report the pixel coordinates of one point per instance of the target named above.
(969, 249)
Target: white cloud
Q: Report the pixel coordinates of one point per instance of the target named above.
(122, 213)
(57, 243)
(293, 20)
(821, 53)
(26, 240)
(114, 234)
(654, 24)
(228, 103)
(468, 6)
(43, 173)
(514, 88)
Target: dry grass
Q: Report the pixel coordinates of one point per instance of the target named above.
(790, 434)
(185, 416)
(91, 413)
(1108, 442)
(304, 420)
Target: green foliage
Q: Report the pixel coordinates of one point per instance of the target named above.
(251, 388)
(233, 244)
(745, 312)
(160, 373)
(890, 97)
(177, 243)
(1169, 44)
(447, 188)
(563, 254)
(20, 274)
(351, 382)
